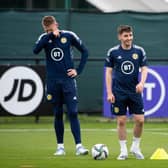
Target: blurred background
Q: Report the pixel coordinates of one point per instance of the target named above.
(95, 21)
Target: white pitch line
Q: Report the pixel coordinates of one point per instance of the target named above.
(49, 129)
(158, 131)
(26, 130)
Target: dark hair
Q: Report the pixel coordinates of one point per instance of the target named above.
(124, 28)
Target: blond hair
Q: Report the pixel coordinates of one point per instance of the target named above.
(48, 20)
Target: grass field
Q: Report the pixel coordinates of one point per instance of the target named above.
(25, 144)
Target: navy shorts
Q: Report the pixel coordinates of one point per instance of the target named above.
(61, 91)
(131, 102)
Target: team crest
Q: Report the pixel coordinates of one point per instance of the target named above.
(135, 56)
(63, 40)
(49, 97)
(116, 109)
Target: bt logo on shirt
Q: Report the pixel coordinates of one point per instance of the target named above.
(57, 54)
(127, 67)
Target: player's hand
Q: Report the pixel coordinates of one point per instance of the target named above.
(56, 33)
(139, 87)
(72, 73)
(110, 98)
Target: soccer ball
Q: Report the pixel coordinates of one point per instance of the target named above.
(99, 151)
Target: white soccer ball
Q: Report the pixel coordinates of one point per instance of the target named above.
(99, 151)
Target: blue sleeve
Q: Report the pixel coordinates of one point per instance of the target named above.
(83, 50)
(41, 42)
(143, 58)
(109, 60)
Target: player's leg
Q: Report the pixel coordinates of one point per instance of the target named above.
(137, 132)
(121, 127)
(138, 126)
(119, 109)
(59, 128)
(75, 127)
(70, 94)
(136, 108)
(122, 136)
(55, 96)
(73, 118)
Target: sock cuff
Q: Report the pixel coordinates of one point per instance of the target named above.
(123, 141)
(78, 145)
(60, 145)
(136, 138)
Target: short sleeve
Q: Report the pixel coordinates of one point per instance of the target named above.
(109, 59)
(143, 58)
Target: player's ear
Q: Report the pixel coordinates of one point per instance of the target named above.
(57, 25)
(119, 36)
(44, 28)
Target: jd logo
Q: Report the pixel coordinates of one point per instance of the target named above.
(22, 86)
(21, 90)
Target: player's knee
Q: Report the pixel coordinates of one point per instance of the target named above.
(121, 122)
(139, 121)
(58, 116)
(58, 112)
(72, 114)
(72, 110)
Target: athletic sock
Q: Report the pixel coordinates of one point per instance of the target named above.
(135, 143)
(78, 145)
(60, 145)
(123, 146)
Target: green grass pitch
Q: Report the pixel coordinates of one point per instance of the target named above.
(25, 144)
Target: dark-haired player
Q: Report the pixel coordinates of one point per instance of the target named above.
(124, 88)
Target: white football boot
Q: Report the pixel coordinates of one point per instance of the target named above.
(60, 151)
(137, 153)
(122, 156)
(81, 150)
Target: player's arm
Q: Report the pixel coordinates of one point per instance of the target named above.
(40, 43)
(108, 79)
(83, 50)
(144, 72)
(140, 85)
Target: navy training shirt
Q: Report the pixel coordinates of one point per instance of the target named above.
(125, 65)
(59, 53)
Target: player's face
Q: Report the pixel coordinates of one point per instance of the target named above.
(51, 28)
(126, 39)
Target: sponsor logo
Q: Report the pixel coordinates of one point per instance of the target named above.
(57, 54)
(127, 67)
(119, 57)
(74, 98)
(153, 86)
(50, 41)
(21, 90)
